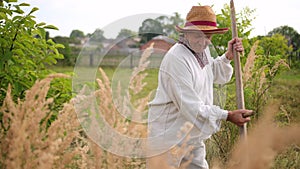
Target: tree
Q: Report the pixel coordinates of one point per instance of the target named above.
(275, 45)
(169, 23)
(24, 47)
(149, 29)
(243, 20)
(290, 34)
(293, 39)
(77, 34)
(126, 33)
(97, 36)
(66, 51)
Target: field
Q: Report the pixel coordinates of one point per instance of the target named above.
(285, 88)
(111, 72)
(79, 151)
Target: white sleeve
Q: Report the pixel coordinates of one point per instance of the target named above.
(222, 70)
(178, 84)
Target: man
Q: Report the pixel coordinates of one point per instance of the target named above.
(185, 92)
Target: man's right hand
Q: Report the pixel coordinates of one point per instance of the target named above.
(237, 118)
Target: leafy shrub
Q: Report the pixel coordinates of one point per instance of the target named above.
(25, 48)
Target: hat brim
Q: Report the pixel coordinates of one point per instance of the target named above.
(210, 31)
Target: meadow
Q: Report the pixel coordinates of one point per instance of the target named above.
(54, 126)
(285, 111)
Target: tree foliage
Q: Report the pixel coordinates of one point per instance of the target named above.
(293, 40)
(24, 48)
(292, 36)
(77, 34)
(125, 33)
(162, 25)
(244, 20)
(70, 52)
(277, 44)
(149, 29)
(97, 36)
(169, 23)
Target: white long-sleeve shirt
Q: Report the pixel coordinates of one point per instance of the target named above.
(185, 94)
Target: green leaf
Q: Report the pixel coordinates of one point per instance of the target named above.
(50, 41)
(2, 15)
(50, 60)
(19, 52)
(33, 10)
(24, 4)
(60, 56)
(7, 55)
(10, 62)
(59, 45)
(18, 9)
(30, 62)
(50, 27)
(11, 1)
(42, 32)
(17, 18)
(9, 12)
(40, 24)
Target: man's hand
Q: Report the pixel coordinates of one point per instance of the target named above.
(238, 116)
(236, 44)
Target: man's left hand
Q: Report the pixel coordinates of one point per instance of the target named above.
(236, 44)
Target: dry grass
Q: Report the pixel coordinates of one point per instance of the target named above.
(258, 75)
(26, 143)
(113, 108)
(247, 71)
(265, 141)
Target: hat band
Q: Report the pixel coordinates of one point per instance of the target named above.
(202, 23)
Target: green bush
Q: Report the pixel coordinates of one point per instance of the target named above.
(25, 48)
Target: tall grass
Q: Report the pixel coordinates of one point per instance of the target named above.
(258, 76)
(265, 141)
(25, 142)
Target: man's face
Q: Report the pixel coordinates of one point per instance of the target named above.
(198, 40)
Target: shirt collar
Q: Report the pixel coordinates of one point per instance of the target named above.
(201, 57)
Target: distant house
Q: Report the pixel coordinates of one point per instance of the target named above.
(120, 46)
(161, 44)
(79, 42)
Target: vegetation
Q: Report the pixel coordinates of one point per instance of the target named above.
(25, 49)
(162, 25)
(244, 20)
(40, 127)
(292, 37)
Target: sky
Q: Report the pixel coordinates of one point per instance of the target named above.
(112, 15)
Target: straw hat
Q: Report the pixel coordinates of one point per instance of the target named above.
(201, 18)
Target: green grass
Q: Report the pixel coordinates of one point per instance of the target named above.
(115, 75)
(60, 69)
(291, 75)
(286, 88)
